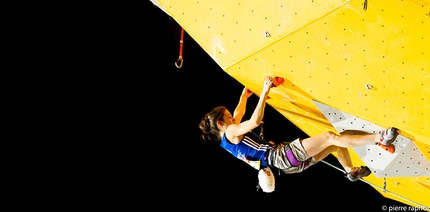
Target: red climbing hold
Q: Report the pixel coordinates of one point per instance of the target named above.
(390, 148)
(277, 81)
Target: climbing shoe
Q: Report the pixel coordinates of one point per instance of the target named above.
(358, 173)
(387, 137)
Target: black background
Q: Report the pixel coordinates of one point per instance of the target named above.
(120, 123)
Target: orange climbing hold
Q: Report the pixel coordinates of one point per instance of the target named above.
(390, 148)
(277, 81)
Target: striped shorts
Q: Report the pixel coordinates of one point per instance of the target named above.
(290, 157)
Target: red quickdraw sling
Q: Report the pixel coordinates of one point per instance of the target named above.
(179, 62)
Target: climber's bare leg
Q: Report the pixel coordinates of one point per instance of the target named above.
(342, 156)
(316, 144)
(323, 154)
(344, 159)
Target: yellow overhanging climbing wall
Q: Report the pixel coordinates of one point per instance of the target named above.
(373, 64)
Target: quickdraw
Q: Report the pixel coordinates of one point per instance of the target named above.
(180, 61)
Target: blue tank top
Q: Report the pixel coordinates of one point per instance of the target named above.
(250, 148)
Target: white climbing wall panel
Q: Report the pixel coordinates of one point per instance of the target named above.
(407, 160)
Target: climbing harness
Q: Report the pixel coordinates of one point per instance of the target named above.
(179, 62)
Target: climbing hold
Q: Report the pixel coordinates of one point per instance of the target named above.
(277, 81)
(368, 87)
(390, 148)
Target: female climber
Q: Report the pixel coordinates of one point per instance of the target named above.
(236, 137)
